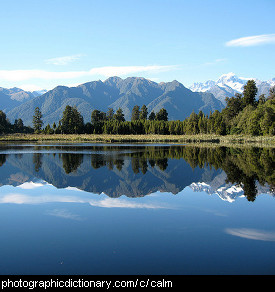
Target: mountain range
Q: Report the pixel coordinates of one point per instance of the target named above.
(230, 84)
(13, 97)
(116, 92)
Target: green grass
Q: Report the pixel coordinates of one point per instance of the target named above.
(95, 138)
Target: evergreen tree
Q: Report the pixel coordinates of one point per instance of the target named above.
(88, 128)
(54, 127)
(78, 121)
(253, 124)
(143, 113)
(233, 106)
(119, 116)
(202, 125)
(48, 130)
(162, 115)
(262, 99)
(110, 114)
(152, 116)
(37, 120)
(3, 122)
(272, 93)
(192, 124)
(219, 125)
(72, 121)
(97, 116)
(67, 120)
(135, 113)
(267, 121)
(249, 93)
(59, 128)
(18, 126)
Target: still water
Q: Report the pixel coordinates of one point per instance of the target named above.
(136, 209)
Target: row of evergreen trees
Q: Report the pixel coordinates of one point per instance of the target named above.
(243, 114)
(17, 127)
(111, 122)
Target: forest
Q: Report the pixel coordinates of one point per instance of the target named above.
(243, 114)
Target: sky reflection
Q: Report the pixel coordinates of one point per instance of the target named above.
(28, 194)
(255, 234)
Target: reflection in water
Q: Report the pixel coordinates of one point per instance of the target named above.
(101, 201)
(2, 159)
(37, 161)
(84, 209)
(71, 161)
(249, 233)
(139, 170)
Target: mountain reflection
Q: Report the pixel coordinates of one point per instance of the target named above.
(135, 171)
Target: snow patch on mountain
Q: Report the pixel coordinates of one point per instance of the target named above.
(227, 192)
(229, 84)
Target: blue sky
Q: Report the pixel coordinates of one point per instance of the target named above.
(69, 42)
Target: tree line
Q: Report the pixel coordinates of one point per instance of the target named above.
(111, 122)
(17, 127)
(243, 114)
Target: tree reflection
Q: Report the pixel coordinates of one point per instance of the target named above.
(135, 165)
(71, 161)
(2, 159)
(244, 167)
(237, 175)
(118, 162)
(97, 161)
(37, 161)
(162, 163)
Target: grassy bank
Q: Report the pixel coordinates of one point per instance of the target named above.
(213, 139)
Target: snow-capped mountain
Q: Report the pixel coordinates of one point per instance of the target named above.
(230, 84)
(225, 191)
(39, 92)
(228, 192)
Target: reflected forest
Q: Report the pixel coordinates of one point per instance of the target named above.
(243, 167)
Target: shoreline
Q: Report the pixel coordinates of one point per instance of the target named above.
(105, 138)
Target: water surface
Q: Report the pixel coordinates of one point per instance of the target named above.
(136, 209)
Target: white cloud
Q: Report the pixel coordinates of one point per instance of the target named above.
(255, 234)
(108, 71)
(63, 60)
(252, 41)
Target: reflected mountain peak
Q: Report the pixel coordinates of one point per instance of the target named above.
(227, 193)
(139, 170)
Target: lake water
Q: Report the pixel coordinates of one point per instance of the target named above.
(136, 209)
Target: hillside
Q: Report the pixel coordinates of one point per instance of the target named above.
(116, 92)
(13, 97)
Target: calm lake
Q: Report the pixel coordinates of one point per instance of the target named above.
(136, 209)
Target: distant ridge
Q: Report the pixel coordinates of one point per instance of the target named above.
(13, 97)
(116, 92)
